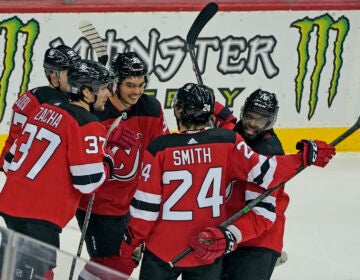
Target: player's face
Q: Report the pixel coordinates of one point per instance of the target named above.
(131, 89)
(253, 124)
(102, 96)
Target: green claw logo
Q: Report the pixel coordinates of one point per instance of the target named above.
(324, 24)
(12, 28)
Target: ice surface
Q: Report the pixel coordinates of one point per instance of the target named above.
(322, 236)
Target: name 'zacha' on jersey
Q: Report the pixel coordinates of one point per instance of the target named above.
(48, 116)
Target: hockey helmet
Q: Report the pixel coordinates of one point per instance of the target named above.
(128, 64)
(87, 73)
(196, 102)
(264, 103)
(59, 58)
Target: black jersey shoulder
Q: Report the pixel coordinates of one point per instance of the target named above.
(110, 112)
(147, 106)
(266, 143)
(210, 136)
(45, 94)
(269, 144)
(81, 115)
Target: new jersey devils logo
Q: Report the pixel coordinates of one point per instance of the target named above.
(126, 163)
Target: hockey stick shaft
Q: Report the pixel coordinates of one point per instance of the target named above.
(201, 20)
(195, 65)
(91, 34)
(96, 42)
(83, 234)
(265, 194)
(88, 211)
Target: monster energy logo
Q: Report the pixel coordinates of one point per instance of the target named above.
(12, 28)
(324, 24)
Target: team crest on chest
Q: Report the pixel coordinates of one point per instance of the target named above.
(124, 115)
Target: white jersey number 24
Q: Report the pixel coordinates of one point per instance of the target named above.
(212, 180)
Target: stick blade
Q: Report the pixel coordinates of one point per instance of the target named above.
(96, 42)
(201, 20)
(358, 122)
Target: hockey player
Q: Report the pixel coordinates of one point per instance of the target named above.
(143, 115)
(58, 157)
(56, 62)
(255, 259)
(182, 190)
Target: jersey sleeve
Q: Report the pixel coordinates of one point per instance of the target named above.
(145, 205)
(86, 154)
(265, 171)
(260, 218)
(22, 108)
(223, 116)
(268, 172)
(158, 126)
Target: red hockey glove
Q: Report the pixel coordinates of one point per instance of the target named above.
(121, 137)
(315, 152)
(223, 117)
(213, 243)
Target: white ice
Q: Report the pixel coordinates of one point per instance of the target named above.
(322, 236)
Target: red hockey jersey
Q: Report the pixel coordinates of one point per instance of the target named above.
(23, 107)
(264, 225)
(146, 119)
(182, 188)
(58, 156)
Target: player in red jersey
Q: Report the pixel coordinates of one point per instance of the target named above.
(143, 115)
(56, 62)
(255, 259)
(182, 190)
(58, 156)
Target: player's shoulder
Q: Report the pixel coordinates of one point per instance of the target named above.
(178, 140)
(81, 115)
(148, 105)
(269, 144)
(110, 112)
(221, 135)
(24, 101)
(44, 94)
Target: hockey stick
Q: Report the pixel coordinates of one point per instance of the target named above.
(265, 194)
(90, 33)
(88, 211)
(83, 233)
(201, 20)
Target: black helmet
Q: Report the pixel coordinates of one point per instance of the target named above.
(196, 102)
(264, 103)
(128, 64)
(87, 73)
(59, 58)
